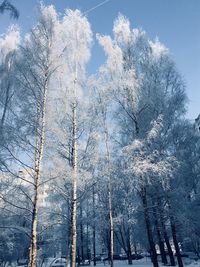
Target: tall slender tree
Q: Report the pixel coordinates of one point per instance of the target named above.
(75, 37)
(36, 65)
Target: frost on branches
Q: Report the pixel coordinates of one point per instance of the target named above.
(100, 161)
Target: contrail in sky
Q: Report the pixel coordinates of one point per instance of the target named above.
(95, 7)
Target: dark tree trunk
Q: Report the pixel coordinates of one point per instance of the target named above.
(130, 262)
(162, 247)
(81, 226)
(5, 108)
(164, 232)
(170, 252)
(178, 254)
(87, 232)
(79, 258)
(94, 227)
(148, 227)
(111, 227)
(160, 240)
(174, 236)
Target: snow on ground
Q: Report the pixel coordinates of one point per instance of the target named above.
(146, 262)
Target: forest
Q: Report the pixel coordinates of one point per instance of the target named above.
(95, 165)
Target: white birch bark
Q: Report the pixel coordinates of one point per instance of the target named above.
(74, 174)
(111, 226)
(40, 137)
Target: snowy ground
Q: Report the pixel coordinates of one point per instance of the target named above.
(146, 262)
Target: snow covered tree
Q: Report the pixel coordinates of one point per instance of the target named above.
(68, 101)
(36, 64)
(145, 86)
(76, 145)
(8, 46)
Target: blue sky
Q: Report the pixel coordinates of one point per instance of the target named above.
(175, 22)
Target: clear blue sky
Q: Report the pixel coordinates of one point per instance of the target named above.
(175, 22)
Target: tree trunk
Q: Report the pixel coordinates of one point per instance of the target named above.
(79, 259)
(164, 232)
(94, 227)
(33, 246)
(130, 262)
(5, 106)
(111, 227)
(160, 240)
(149, 231)
(68, 233)
(81, 221)
(170, 252)
(40, 132)
(74, 184)
(88, 252)
(162, 247)
(178, 254)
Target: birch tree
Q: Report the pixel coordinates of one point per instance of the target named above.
(36, 64)
(75, 37)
